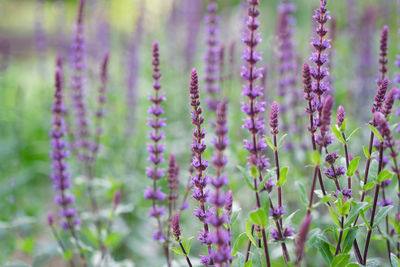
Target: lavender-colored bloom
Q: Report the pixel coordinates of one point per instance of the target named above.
(78, 88)
(211, 56)
(334, 172)
(380, 96)
(172, 180)
(287, 232)
(383, 47)
(155, 147)
(325, 122)
(302, 237)
(228, 202)
(389, 101)
(50, 218)
(60, 171)
(220, 237)
(133, 70)
(274, 118)
(254, 123)
(176, 228)
(382, 125)
(340, 116)
(199, 180)
(332, 157)
(277, 212)
(347, 194)
(385, 202)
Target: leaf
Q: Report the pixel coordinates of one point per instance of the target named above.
(334, 216)
(258, 217)
(247, 178)
(187, 244)
(269, 142)
(354, 212)
(352, 265)
(344, 209)
(177, 251)
(343, 126)
(289, 218)
(248, 233)
(302, 191)
(384, 175)
(324, 249)
(395, 261)
(352, 133)
(239, 239)
(316, 158)
(366, 152)
(381, 214)
(234, 216)
(373, 170)
(340, 260)
(67, 255)
(338, 134)
(348, 241)
(280, 142)
(254, 171)
(112, 239)
(376, 132)
(27, 245)
(283, 176)
(353, 166)
(368, 186)
(364, 219)
(249, 263)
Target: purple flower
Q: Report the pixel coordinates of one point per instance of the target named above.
(385, 202)
(60, 170)
(277, 212)
(302, 237)
(388, 105)
(334, 172)
(274, 118)
(287, 232)
(383, 47)
(176, 229)
(347, 194)
(199, 180)
(380, 96)
(212, 56)
(382, 124)
(340, 116)
(172, 180)
(50, 218)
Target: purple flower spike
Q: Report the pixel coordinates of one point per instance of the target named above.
(380, 96)
(60, 170)
(212, 56)
(382, 125)
(220, 237)
(385, 202)
(254, 123)
(199, 180)
(274, 118)
(319, 58)
(176, 228)
(173, 181)
(383, 61)
(387, 110)
(326, 115)
(302, 237)
(50, 218)
(78, 88)
(340, 116)
(155, 147)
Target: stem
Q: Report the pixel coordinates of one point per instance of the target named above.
(60, 244)
(387, 228)
(266, 252)
(185, 253)
(340, 237)
(347, 160)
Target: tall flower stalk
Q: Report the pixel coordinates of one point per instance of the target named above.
(199, 179)
(156, 151)
(220, 237)
(176, 230)
(60, 171)
(211, 57)
(254, 123)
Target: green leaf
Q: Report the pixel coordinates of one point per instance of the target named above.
(352, 133)
(112, 239)
(178, 251)
(235, 216)
(334, 216)
(259, 217)
(344, 209)
(395, 261)
(316, 158)
(67, 255)
(249, 263)
(283, 176)
(27, 245)
(324, 249)
(343, 126)
(362, 214)
(381, 215)
(239, 239)
(348, 241)
(373, 170)
(254, 171)
(280, 142)
(187, 244)
(353, 166)
(376, 132)
(248, 233)
(366, 152)
(247, 178)
(302, 191)
(352, 265)
(338, 134)
(384, 175)
(354, 212)
(340, 260)
(368, 186)
(269, 142)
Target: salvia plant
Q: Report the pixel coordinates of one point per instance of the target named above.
(289, 173)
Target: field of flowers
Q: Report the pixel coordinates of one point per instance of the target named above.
(199, 133)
